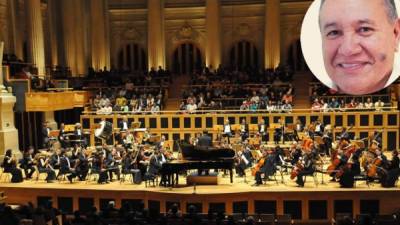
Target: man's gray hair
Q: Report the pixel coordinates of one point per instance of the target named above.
(390, 9)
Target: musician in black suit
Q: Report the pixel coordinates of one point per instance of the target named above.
(124, 124)
(308, 168)
(62, 137)
(268, 168)
(205, 140)
(262, 129)
(99, 167)
(79, 136)
(46, 134)
(26, 163)
(66, 167)
(45, 167)
(392, 172)
(244, 160)
(278, 132)
(113, 160)
(55, 159)
(244, 130)
(10, 166)
(154, 165)
(82, 165)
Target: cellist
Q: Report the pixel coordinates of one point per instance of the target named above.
(266, 165)
(339, 158)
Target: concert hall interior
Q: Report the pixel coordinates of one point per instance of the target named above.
(184, 112)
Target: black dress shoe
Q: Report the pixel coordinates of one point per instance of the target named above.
(70, 179)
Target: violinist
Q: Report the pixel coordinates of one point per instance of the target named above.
(154, 166)
(113, 160)
(389, 178)
(267, 168)
(99, 167)
(244, 160)
(82, 164)
(66, 167)
(308, 168)
(141, 162)
(129, 164)
(10, 166)
(45, 167)
(8, 162)
(55, 159)
(295, 153)
(27, 163)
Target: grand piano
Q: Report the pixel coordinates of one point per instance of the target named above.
(197, 158)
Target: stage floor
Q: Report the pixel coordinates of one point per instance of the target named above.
(225, 193)
(239, 185)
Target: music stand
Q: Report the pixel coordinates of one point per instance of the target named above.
(155, 139)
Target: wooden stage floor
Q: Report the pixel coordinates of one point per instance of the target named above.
(240, 185)
(225, 193)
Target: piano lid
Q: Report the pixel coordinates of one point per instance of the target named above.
(190, 152)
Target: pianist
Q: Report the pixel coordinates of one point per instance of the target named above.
(204, 143)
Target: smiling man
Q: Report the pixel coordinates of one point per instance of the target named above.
(359, 41)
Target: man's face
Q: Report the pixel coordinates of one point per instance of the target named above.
(358, 42)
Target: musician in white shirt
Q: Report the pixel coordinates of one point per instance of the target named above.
(227, 132)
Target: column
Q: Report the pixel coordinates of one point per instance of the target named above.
(35, 35)
(15, 32)
(213, 33)
(155, 33)
(75, 36)
(98, 26)
(8, 132)
(49, 117)
(69, 34)
(4, 19)
(272, 34)
(52, 23)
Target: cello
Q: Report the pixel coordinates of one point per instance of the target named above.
(258, 166)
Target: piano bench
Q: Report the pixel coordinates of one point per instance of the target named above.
(193, 179)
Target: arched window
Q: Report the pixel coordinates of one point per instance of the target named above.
(186, 58)
(244, 55)
(132, 57)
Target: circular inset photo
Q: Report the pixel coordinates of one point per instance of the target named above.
(353, 46)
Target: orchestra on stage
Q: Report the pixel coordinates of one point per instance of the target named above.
(296, 151)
